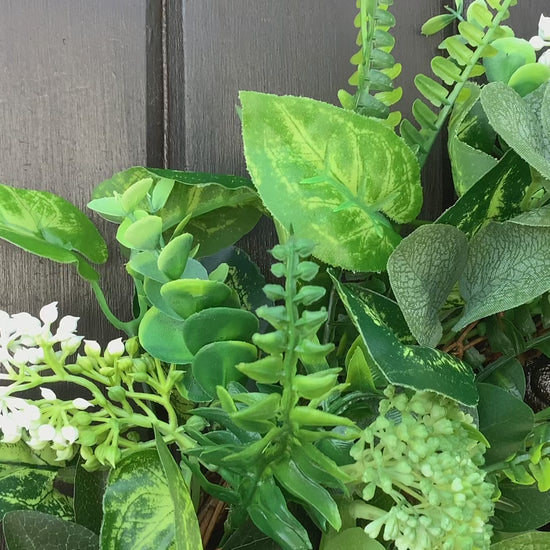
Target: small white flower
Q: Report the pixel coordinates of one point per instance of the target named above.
(26, 326)
(81, 404)
(70, 433)
(537, 42)
(115, 347)
(46, 432)
(544, 27)
(70, 345)
(92, 348)
(48, 313)
(66, 328)
(11, 431)
(48, 394)
(545, 58)
(31, 356)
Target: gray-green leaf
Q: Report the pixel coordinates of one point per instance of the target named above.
(535, 540)
(423, 269)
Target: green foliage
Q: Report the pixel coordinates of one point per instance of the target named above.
(49, 226)
(32, 530)
(140, 493)
(416, 367)
(376, 67)
(464, 50)
(308, 180)
(525, 541)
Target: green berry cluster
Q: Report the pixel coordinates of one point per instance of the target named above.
(424, 452)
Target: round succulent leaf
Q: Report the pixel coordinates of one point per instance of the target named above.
(132, 197)
(332, 175)
(152, 288)
(162, 337)
(144, 234)
(187, 296)
(145, 263)
(214, 364)
(218, 324)
(173, 257)
(512, 53)
(529, 77)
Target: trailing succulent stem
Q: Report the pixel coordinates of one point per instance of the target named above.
(481, 26)
(376, 67)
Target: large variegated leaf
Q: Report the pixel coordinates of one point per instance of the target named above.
(520, 122)
(423, 269)
(139, 513)
(49, 226)
(496, 196)
(332, 175)
(508, 265)
(416, 367)
(31, 530)
(222, 208)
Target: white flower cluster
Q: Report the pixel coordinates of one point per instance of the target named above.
(23, 338)
(542, 40)
(421, 452)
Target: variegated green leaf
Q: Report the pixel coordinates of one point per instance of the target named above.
(508, 265)
(26, 487)
(51, 227)
(496, 196)
(31, 530)
(416, 367)
(138, 508)
(423, 269)
(519, 123)
(331, 175)
(187, 533)
(222, 208)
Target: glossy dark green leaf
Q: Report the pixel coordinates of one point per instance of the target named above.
(89, 488)
(415, 367)
(32, 530)
(535, 540)
(270, 514)
(510, 377)
(309, 181)
(187, 533)
(248, 537)
(162, 337)
(504, 420)
(423, 270)
(530, 509)
(49, 226)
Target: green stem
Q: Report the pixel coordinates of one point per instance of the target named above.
(129, 327)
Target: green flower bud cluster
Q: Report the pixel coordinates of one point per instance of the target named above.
(423, 452)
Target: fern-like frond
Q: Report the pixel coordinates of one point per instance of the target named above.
(464, 51)
(376, 67)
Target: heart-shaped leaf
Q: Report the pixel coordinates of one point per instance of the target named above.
(423, 269)
(332, 175)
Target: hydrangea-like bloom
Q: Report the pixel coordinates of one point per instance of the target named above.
(421, 451)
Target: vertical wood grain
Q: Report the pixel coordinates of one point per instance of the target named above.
(73, 111)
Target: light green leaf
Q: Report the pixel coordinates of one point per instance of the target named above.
(423, 269)
(416, 367)
(535, 540)
(332, 175)
(496, 196)
(519, 124)
(186, 527)
(162, 337)
(31, 530)
(508, 265)
(138, 508)
(49, 226)
(222, 208)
